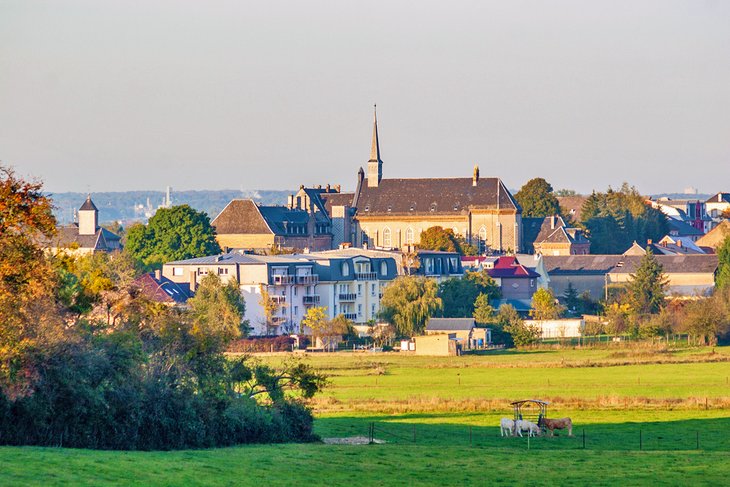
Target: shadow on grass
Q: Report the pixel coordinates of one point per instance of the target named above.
(424, 429)
(507, 351)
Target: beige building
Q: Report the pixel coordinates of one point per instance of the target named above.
(392, 213)
(437, 345)
(715, 237)
(85, 236)
(551, 236)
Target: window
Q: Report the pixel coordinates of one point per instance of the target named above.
(532, 283)
(482, 239)
(222, 271)
(177, 271)
(359, 289)
(409, 235)
(372, 289)
(345, 269)
(372, 311)
(383, 268)
(296, 310)
(202, 271)
(359, 310)
(295, 290)
(387, 241)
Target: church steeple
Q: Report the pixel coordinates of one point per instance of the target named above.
(375, 164)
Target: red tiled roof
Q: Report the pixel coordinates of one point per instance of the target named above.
(509, 266)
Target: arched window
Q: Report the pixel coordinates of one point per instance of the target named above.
(482, 239)
(345, 269)
(409, 235)
(383, 268)
(387, 241)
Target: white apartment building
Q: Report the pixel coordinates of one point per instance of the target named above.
(342, 282)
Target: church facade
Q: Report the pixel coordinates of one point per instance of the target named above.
(390, 213)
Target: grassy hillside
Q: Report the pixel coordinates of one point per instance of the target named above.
(642, 412)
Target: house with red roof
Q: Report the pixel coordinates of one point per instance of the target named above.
(518, 282)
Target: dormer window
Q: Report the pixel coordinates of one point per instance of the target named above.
(367, 208)
(389, 208)
(433, 207)
(413, 206)
(345, 269)
(384, 268)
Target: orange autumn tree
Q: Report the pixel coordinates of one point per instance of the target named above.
(29, 318)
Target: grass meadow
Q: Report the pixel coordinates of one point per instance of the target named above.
(641, 415)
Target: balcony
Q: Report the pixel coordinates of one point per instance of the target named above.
(351, 316)
(366, 276)
(307, 279)
(282, 280)
(347, 297)
(310, 299)
(278, 299)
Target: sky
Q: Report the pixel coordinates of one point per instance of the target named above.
(105, 95)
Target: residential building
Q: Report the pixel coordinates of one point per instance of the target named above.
(463, 329)
(160, 289)
(715, 237)
(85, 236)
(716, 205)
(342, 283)
(687, 275)
(551, 236)
(516, 281)
(303, 224)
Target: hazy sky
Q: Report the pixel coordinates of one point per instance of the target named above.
(116, 95)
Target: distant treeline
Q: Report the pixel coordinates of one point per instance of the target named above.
(120, 205)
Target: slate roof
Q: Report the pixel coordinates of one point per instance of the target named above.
(424, 196)
(719, 198)
(579, 264)
(538, 230)
(573, 205)
(716, 236)
(241, 217)
(161, 291)
(246, 217)
(68, 236)
(682, 228)
(621, 264)
(336, 199)
(88, 205)
(450, 324)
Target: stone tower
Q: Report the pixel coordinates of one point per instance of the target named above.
(88, 217)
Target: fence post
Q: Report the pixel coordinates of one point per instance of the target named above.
(640, 440)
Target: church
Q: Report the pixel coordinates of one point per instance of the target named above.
(391, 213)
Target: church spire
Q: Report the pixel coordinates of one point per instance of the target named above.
(375, 164)
(375, 149)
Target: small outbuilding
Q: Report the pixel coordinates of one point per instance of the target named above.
(440, 345)
(463, 329)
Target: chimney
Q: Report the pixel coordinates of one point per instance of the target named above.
(475, 177)
(158, 275)
(337, 188)
(193, 281)
(327, 188)
(679, 243)
(552, 222)
(365, 245)
(649, 242)
(290, 201)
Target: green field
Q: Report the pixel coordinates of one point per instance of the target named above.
(647, 416)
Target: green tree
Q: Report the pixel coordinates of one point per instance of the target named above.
(511, 322)
(646, 287)
(615, 219)
(483, 311)
(459, 294)
(571, 299)
(545, 306)
(722, 278)
(438, 238)
(217, 312)
(537, 199)
(408, 302)
(175, 233)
